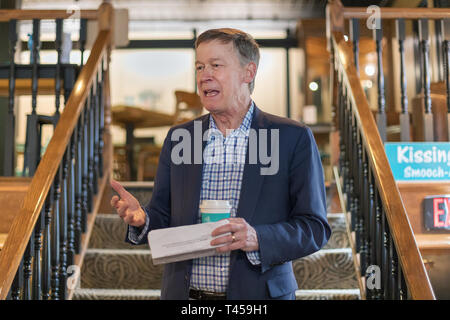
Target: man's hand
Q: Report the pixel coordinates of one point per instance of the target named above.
(243, 236)
(127, 206)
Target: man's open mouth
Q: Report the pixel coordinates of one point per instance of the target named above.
(211, 92)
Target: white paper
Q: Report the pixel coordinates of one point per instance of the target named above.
(183, 243)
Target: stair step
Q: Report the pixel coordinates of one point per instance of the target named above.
(134, 269)
(116, 294)
(120, 269)
(326, 269)
(339, 238)
(110, 231)
(327, 294)
(133, 294)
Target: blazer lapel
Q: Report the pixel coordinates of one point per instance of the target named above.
(252, 179)
(192, 176)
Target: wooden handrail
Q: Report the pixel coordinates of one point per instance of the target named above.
(409, 255)
(6, 15)
(24, 222)
(397, 13)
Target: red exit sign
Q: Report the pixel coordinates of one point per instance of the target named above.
(436, 212)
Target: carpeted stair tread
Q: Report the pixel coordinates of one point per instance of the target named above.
(133, 294)
(120, 269)
(116, 294)
(328, 294)
(326, 269)
(109, 233)
(134, 269)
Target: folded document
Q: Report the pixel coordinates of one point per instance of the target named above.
(183, 243)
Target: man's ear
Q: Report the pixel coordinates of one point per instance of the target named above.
(250, 72)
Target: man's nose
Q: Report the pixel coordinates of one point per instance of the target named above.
(206, 74)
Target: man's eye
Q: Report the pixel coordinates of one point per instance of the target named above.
(215, 65)
(199, 68)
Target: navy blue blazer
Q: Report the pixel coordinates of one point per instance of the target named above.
(287, 210)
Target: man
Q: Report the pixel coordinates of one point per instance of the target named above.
(277, 215)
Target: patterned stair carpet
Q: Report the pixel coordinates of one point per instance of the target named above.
(115, 270)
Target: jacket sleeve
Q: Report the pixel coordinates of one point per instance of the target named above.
(158, 209)
(306, 229)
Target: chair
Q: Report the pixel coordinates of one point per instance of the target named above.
(187, 102)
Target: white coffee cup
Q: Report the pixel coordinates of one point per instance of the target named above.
(215, 210)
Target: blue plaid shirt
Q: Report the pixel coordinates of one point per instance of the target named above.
(224, 160)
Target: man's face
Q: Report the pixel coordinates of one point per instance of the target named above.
(221, 80)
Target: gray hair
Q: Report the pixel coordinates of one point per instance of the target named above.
(246, 47)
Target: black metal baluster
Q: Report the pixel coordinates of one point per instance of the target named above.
(79, 184)
(379, 240)
(58, 43)
(17, 285)
(71, 201)
(354, 37)
(439, 49)
(36, 277)
(386, 259)
(82, 38)
(101, 120)
(9, 141)
(85, 179)
(94, 138)
(381, 115)
(425, 46)
(47, 248)
(403, 290)
(365, 207)
(370, 222)
(55, 238)
(445, 27)
(63, 227)
(27, 268)
(394, 284)
(90, 150)
(404, 116)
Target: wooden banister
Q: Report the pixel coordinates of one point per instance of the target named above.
(397, 13)
(7, 15)
(24, 223)
(408, 253)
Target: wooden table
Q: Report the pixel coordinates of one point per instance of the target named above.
(130, 118)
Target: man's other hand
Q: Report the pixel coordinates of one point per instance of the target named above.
(127, 206)
(243, 236)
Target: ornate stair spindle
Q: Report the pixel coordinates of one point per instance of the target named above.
(47, 248)
(404, 116)
(381, 115)
(71, 201)
(82, 39)
(36, 277)
(425, 46)
(58, 43)
(63, 227)
(445, 27)
(354, 37)
(55, 237)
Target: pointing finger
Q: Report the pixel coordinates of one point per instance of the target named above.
(124, 194)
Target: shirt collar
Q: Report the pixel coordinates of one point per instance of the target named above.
(245, 125)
